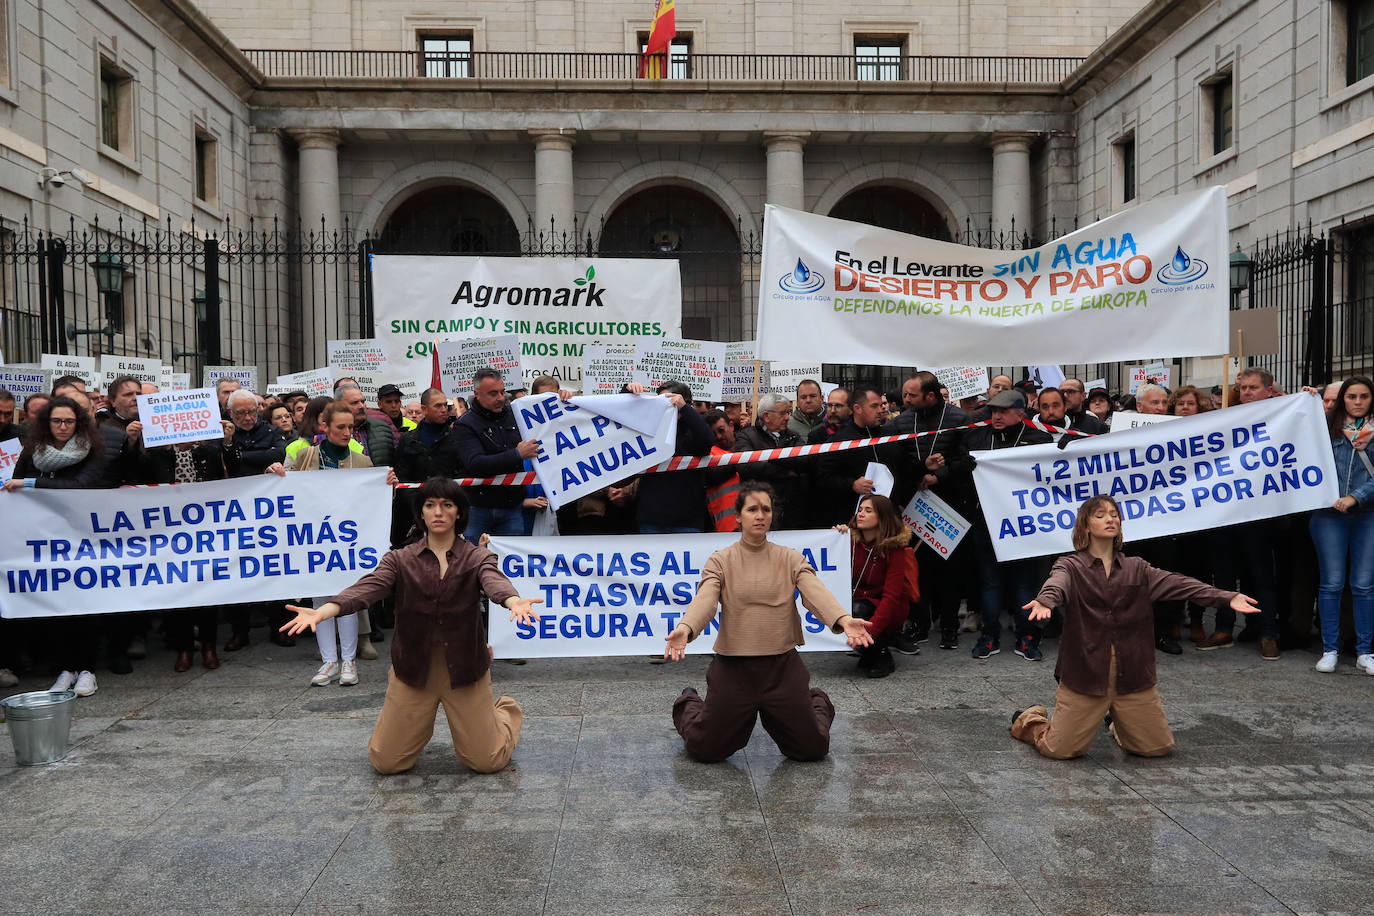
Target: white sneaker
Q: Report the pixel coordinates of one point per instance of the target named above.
(8, 678)
(65, 681)
(348, 673)
(1327, 664)
(328, 672)
(85, 684)
(1365, 663)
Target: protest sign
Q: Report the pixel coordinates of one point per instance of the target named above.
(784, 377)
(10, 450)
(1201, 472)
(314, 382)
(963, 381)
(246, 376)
(260, 538)
(23, 382)
(148, 371)
(607, 367)
(1046, 376)
(365, 355)
(591, 441)
(1129, 419)
(698, 363)
(1095, 383)
(935, 522)
(554, 305)
(173, 381)
(83, 367)
(1151, 279)
(622, 596)
(742, 373)
(459, 359)
(1155, 374)
(179, 416)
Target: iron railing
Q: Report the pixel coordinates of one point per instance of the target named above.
(589, 65)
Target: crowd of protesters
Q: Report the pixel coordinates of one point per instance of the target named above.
(1304, 572)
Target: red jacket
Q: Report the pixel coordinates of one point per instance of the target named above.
(880, 576)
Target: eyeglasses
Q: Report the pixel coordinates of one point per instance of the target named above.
(250, 412)
(56, 421)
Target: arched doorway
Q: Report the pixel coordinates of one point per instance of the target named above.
(895, 208)
(449, 219)
(671, 221)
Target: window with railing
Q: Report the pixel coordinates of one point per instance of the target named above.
(879, 58)
(447, 54)
(679, 55)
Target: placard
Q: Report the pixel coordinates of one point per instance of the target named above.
(10, 450)
(83, 367)
(179, 416)
(784, 377)
(459, 359)
(148, 371)
(1130, 419)
(1156, 373)
(607, 367)
(246, 376)
(739, 381)
(963, 381)
(935, 522)
(698, 363)
(314, 382)
(360, 355)
(23, 383)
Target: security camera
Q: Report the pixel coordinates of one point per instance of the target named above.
(57, 180)
(82, 176)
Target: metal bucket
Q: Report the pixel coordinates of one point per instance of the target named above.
(40, 725)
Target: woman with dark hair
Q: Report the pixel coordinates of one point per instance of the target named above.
(1107, 651)
(1344, 534)
(309, 431)
(756, 673)
(881, 565)
(280, 416)
(439, 651)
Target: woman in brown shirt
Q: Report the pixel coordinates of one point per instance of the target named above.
(439, 651)
(756, 673)
(1107, 652)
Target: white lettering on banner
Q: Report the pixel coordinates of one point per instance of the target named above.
(589, 442)
(622, 596)
(741, 376)
(935, 522)
(607, 367)
(10, 449)
(83, 367)
(554, 305)
(1129, 419)
(22, 382)
(459, 359)
(963, 381)
(145, 370)
(314, 382)
(179, 416)
(1206, 471)
(1149, 280)
(262, 538)
(364, 355)
(698, 363)
(246, 376)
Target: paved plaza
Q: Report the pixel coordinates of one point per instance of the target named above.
(244, 790)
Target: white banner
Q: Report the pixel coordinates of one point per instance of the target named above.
(963, 381)
(459, 359)
(784, 377)
(698, 363)
(743, 374)
(145, 370)
(622, 596)
(83, 367)
(554, 305)
(588, 442)
(1148, 280)
(314, 382)
(262, 538)
(22, 382)
(935, 522)
(1129, 419)
(1214, 469)
(10, 450)
(246, 376)
(179, 416)
(362, 355)
(1046, 376)
(607, 367)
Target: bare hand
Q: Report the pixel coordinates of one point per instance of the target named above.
(856, 633)
(308, 617)
(863, 486)
(228, 431)
(928, 481)
(522, 609)
(619, 496)
(528, 449)
(13, 484)
(636, 388)
(1037, 610)
(564, 394)
(536, 502)
(134, 431)
(842, 529)
(1345, 504)
(935, 462)
(676, 644)
(1244, 604)
(277, 468)
(676, 400)
(391, 478)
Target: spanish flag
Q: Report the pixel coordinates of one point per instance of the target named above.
(653, 64)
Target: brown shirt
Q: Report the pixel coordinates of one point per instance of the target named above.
(1104, 612)
(755, 588)
(432, 611)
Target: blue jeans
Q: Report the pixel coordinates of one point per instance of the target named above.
(494, 522)
(1339, 537)
(667, 529)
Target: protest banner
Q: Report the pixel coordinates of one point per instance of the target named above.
(83, 367)
(10, 450)
(314, 382)
(23, 382)
(963, 381)
(1048, 376)
(1148, 280)
(622, 596)
(1095, 383)
(246, 376)
(935, 522)
(179, 416)
(742, 373)
(699, 363)
(148, 371)
(590, 441)
(1206, 471)
(1155, 374)
(607, 367)
(1129, 419)
(261, 538)
(554, 305)
(173, 381)
(784, 377)
(364, 355)
(459, 359)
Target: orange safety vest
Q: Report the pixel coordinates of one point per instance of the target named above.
(720, 500)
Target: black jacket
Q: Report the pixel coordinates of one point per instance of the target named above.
(251, 451)
(677, 499)
(90, 473)
(486, 445)
(416, 462)
(787, 476)
(838, 470)
(949, 443)
(986, 438)
(1086, 421)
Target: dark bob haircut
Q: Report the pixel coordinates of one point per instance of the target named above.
(441, 488)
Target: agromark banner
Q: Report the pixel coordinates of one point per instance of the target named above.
(1206, 471)
(622, 596)
(554, 305)
(263, 538)
(1150, 280)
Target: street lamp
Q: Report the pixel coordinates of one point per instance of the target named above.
(198, 300)
(1242, 268)
(109, 279)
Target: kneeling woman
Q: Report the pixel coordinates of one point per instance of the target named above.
(1107, 651)
(439, 652)
(756, 673)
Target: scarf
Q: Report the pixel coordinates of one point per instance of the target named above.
(1358, 432)
(331, 455)
(48, 459)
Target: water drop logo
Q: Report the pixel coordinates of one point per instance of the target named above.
(802, 279)
(1182, 269)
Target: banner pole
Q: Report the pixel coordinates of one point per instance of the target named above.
(754, 410)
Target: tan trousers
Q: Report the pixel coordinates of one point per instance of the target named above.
(484, 734)
(1138, 722)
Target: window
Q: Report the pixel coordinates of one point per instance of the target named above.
(1354, 253)
(116, 109)
(1123, 160)
(878, 58)
(5, 56)
(207, 169)
(1359, 34)
(446, 54)
(1216, 115)
(679, 54)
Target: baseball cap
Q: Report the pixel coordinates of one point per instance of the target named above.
(387, 391)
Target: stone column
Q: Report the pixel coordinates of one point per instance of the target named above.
(319, 200)
(1011, 182)
(786, 180)
(553, 185)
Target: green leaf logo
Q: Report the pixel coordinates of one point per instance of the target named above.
(583, 281)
